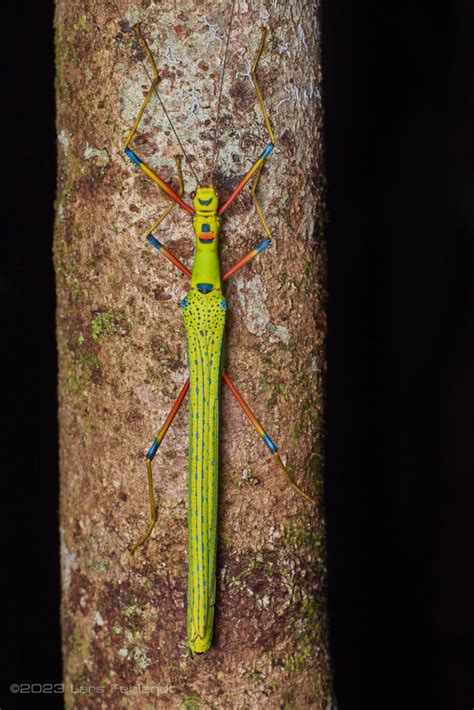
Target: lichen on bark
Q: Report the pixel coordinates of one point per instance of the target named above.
(123, 358)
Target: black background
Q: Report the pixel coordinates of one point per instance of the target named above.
(399, 127)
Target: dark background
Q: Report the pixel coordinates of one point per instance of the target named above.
(398, 92)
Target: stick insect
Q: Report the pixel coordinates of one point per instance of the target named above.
(204, 309)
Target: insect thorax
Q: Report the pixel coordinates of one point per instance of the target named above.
(206, 222)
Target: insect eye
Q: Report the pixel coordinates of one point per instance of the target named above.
(192, 194)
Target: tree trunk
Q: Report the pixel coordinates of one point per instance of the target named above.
(123, 357)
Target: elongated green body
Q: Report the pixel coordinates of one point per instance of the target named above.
(204, 311)
(204, 316)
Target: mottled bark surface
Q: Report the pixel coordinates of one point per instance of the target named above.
(123, 359)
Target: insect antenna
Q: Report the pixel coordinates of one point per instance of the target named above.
(198, 182)
(215, 151)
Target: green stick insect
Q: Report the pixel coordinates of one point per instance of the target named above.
(204, 309)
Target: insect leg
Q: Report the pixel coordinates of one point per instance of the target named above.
(168, 255)
(171, 206)
(149, 458)
(155, 242)
(266, 242)
(257, 166)
(263, 245)
(257, 203)
(273, 448)
(161, 183)
(270, 133)
(258, 163)
(257, 87)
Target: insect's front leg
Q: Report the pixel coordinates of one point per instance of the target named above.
(148, 171)
(257, 166)
(256, 170)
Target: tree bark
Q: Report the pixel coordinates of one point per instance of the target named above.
(122, 357)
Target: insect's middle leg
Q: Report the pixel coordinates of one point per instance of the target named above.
(263, 245)
(171, 206)
(155, 242)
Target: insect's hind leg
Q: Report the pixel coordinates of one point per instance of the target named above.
(149, 458)
(258, 427)
(153, 511)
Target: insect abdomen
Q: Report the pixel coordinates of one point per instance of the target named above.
(204, 315)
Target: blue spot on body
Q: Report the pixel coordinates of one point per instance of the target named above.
(205, 287)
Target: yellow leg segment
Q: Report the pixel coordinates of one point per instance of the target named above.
(152, 88)
(257, 166)
(153, 511)
(156, 178)
(269, 129)
(257, 87)
(290, 480)
(257, 204)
